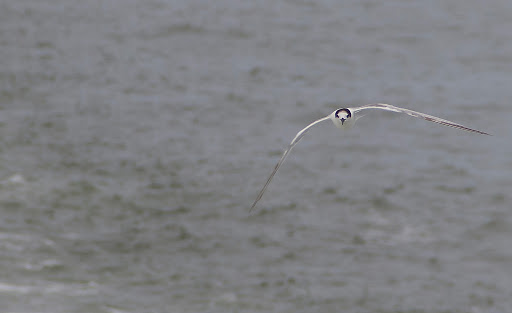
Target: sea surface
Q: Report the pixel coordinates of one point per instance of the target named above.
(135, 135)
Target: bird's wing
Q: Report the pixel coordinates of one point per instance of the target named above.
(295, 140)
(424, 116)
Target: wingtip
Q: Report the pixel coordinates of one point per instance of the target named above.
(252, 206)
(483, 133)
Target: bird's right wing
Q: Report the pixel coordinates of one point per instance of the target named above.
(295, 140)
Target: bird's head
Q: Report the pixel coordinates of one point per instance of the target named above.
(341, 117)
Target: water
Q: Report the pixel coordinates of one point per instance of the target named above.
(135, 135)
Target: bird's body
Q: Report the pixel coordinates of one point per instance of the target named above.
(346, 117)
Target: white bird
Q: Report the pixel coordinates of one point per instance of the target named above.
(345, 118)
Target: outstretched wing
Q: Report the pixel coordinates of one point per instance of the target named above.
(424, 116)
(295, 140)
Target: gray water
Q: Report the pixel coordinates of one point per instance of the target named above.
(135, 135)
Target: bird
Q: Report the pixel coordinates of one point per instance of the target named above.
(345, 118)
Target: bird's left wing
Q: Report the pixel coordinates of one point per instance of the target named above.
(424, 116)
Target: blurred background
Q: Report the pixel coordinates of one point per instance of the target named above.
(135, 135)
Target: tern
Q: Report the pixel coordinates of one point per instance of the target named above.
(345, 118)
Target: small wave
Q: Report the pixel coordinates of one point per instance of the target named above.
(64, 289)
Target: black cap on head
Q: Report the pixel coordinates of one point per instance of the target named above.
(337, 114)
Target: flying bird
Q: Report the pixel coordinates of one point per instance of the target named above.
(345, 118)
